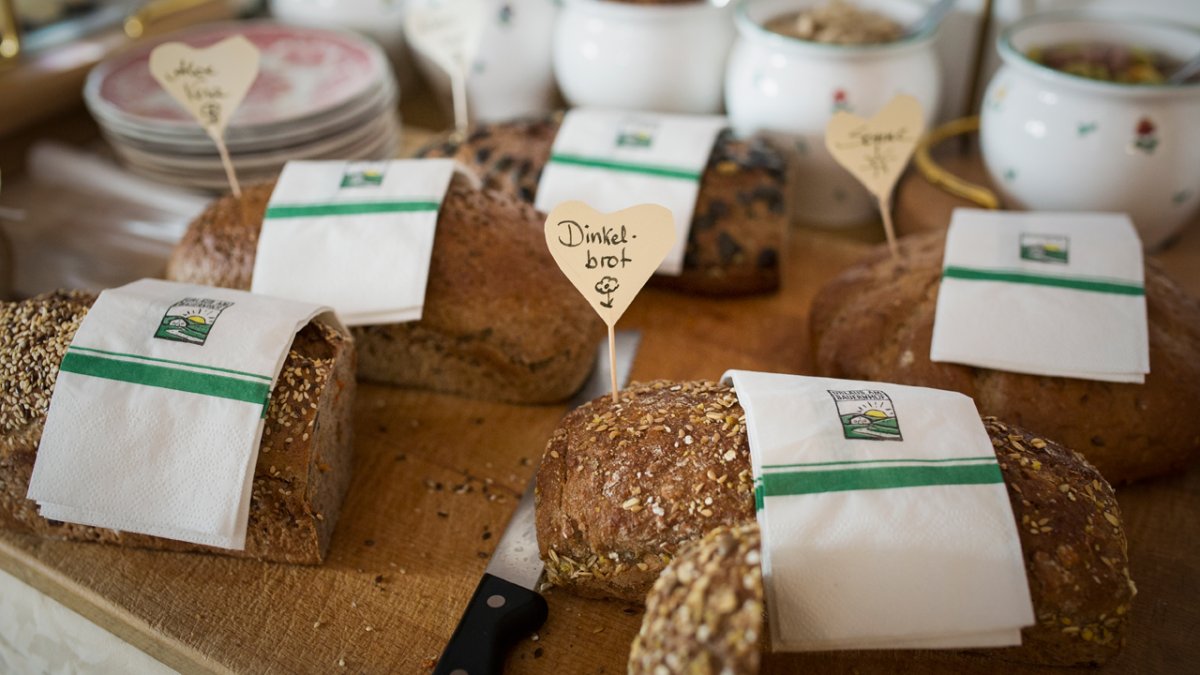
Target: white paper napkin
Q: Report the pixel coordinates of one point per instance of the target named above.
(614, 159)
(157, 412)
(885, 521)
(356, 236)
(1056, 294)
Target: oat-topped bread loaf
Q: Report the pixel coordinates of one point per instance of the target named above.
(875, 322)
(500, 320)
(304, 462)
(622, 488)
(705, 612)
(739, 223)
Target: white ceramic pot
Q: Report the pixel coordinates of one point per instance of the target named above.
(511, 73)
(380, 20)
(1057, 142)
(665, 58)
(788, 89)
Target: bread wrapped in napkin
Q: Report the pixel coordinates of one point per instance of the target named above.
(623, 488)
(875, 322)
(304, 460)
(499, 322)
(738, 227)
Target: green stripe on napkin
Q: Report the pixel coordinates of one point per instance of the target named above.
(991, 459)
(150, 375)
(880, 478)
(1077, 283)
(176, 363)
(649, 169)
(348, 208)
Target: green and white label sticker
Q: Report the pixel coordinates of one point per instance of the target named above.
(1045, 248)
(879, 505)
(157, 412)
(612, 160)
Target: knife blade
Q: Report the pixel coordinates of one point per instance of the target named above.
(506, 606)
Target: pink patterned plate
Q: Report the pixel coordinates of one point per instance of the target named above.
(304, 73)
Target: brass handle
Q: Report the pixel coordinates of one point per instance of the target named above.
(139, 22)
(935, 174)
(10, 37)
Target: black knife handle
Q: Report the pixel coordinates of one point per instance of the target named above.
(499, 615)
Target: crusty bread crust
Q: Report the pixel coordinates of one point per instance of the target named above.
(738, 227)
(500, 320)
(875, 322)
(603, 456)
(622, 486)
(705, 613)
(304, 461)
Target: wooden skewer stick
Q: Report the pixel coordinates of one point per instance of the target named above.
(885, 208)
(228, 164)
(612, 359)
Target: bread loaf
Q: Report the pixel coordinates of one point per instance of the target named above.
(875, 322)
(500, 320)
(705, 613)
(622, 489)
(738, 226)
(304, 462)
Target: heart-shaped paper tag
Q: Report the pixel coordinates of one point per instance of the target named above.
(609, 256)
(209, 82)
(446, 33)
(877, 150)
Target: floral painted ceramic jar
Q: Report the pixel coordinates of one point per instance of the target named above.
(788, 89)
(510, 74)
(1056, 142)
(665, 58)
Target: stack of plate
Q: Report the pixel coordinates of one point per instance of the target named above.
(320, 94)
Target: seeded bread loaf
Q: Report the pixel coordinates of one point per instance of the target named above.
(705, 613)
(875, 322)
(740, 220)
(500, 320)
(304, 462)
(621, 489)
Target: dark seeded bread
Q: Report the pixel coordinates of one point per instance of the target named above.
(304, 462)
(875, 322)
(500, 320)
(740, 220)
(598, 541)
(620, 488)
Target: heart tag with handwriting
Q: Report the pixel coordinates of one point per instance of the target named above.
(209, 82)
(448, 34)
(877, 150)
(609, 256)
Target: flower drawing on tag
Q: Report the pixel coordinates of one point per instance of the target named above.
(866, 414)
(606, 287)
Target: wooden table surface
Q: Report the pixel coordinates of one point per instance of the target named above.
(437, 478)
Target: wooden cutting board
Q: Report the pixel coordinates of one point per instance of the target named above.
(436, 480)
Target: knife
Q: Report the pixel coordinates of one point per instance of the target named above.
(506, 606)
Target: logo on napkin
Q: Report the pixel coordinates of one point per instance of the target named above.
(1045, 248)
(364, 175)
(190, 320)
(636, 133)
(866, 414)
